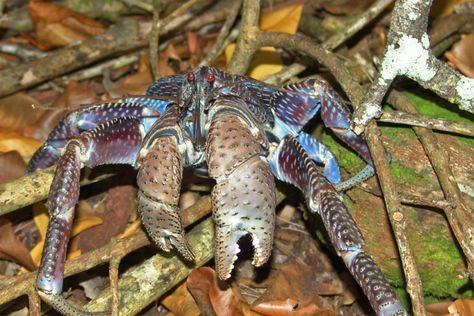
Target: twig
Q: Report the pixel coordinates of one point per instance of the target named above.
(408, 53)
(154, 38)
(22, 52)
(355, 26)
(405, 118)
(223, 34)
(396, 217)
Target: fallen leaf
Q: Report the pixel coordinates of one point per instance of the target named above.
(114, 211)
(25, 146)
(214, 297)
(13, 166)
(267, 61)
(460, 56)
(11, 247)
(463, 307)
(180, 302)
(444, 7)
(58, 26)
(291, 292)
(18, 110)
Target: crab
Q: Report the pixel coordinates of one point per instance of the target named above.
(239, 131)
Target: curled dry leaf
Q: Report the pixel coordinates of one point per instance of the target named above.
(460, 56)
(13, 166)
(11, 248)
(214, 297)
(57, 26)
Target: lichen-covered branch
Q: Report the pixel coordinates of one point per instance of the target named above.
(155, 276)
(408, 53)
(405, 118)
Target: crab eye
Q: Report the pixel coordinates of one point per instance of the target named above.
(211, 78)
(190, 76)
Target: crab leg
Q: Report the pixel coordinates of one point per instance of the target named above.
(291, 164)
(117, 141)
(244, 196)
(145, 108)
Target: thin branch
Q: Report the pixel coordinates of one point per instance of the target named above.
(358, 24)
(223, 34)
(405, 118)
(154, 38)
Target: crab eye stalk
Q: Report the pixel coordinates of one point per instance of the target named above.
(190, 76)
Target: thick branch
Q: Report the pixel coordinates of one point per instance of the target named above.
(408, 53)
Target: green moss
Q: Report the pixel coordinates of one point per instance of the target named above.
(435, 107)
(403, 173)
(440, 255)
(346, 158)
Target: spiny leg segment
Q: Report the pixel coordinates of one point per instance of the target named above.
(291, 164)
(117, 141)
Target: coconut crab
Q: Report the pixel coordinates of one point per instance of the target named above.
(240, 132)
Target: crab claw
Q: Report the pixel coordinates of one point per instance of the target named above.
(244, 203)
(244, 196)
(159, 179)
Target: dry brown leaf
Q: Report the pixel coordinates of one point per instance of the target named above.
(74, 95)
(18, 110)
(25, 146)
(11, 248)
(290, 285)
(57, 26)
(180, 302)
(461, 56)
(444, 7)
(114, 211)
(133, 84)
(214, 297)
(463, 307)
(290, 307)
(13, 166)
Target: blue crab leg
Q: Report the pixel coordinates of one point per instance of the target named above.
(159, 179)
(295, 104)
(166, 87)
(244, 196)
(116, 141)
(290, 163)
(321, 154)
(146, 108)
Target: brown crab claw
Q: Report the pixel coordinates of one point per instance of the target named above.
(244, 203)
(163, 225)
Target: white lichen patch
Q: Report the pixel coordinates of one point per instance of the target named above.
(411, 7)
(146, 278)
(465, 92)
(409, 56)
